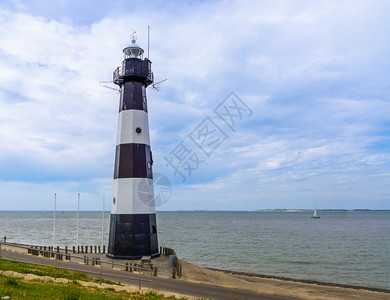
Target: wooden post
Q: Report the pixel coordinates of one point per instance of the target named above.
(155, 271)
(82, 249)
(74, 249)
(95, 249)
(99, 248)
(127, 267)
(104, 248)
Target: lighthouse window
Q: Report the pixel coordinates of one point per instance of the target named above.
(138, 130)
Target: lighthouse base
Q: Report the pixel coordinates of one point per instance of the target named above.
(133, 236)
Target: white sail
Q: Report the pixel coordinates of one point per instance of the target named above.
(314, 216)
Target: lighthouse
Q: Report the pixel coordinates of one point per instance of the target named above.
(133, 227)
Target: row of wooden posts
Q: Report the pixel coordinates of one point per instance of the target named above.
(92, 249)
(74, 250)
(45, 252)
(50, 251)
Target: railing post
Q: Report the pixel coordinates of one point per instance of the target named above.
(101, 271)
(55, 267)
(139, 272)
(0, 254)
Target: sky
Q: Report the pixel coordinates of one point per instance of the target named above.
(267, 104)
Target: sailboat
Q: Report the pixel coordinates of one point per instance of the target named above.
(314, 216)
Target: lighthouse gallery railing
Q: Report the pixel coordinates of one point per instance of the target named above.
(132, 71)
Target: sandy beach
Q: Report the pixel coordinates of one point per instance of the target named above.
(276, 286)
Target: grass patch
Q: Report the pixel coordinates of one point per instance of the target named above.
(11, 281)
(50, 271)
(17, 288)
(22, 289)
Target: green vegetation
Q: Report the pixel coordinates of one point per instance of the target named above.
(17, 288)
(24, 268)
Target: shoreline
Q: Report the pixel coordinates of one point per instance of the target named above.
(307, 281)
(233, 281)
(260, 276)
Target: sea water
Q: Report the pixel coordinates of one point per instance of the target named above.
(346, 247)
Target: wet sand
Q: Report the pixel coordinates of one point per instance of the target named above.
(273, 286)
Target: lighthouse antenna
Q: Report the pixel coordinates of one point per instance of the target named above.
(111, 88)
(148, 41)
(156, 85)
(108, 87)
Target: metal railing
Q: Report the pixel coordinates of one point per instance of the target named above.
(132, 70)
(94, 261)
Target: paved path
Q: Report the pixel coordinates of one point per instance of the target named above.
(162, 284)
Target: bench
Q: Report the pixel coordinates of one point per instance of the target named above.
(145, 261)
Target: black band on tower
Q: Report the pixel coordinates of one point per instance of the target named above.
(134, 235)
(133, 161)
(133, 96)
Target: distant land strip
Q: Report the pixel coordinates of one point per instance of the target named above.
(318, 209)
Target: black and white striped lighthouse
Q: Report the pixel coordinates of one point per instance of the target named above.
(133, 227)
